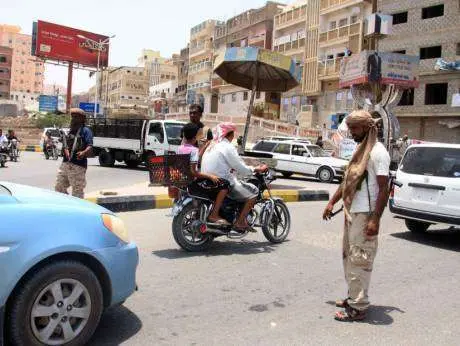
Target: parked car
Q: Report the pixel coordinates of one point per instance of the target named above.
(430, 191)
(132, 140)
(302, 158)
(64, 260)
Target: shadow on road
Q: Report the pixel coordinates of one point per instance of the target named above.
(447, 239)
(377, 315)
(121, 167)
(306, 178)
(221, 249)
(117, 325)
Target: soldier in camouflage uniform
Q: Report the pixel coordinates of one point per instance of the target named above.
(77, 147)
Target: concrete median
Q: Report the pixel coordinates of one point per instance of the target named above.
(32, 148)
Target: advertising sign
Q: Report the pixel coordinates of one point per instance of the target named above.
(88, 107)
(47, 103)
(387, 68)
(347, 148)
(57, 42)
(380, 24)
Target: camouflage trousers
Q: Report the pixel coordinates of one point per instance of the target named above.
(71, 175)
(358, 258)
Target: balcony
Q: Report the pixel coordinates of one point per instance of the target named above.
(339, 35)
(329, 69)
(200, 49)
(202, 66)
(328, 6)
(289, 48)
(291, 17)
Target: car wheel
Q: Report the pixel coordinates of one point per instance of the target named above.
(106, 159)
(417, 226)
(325, 175)
(59, 304)
(287, 174)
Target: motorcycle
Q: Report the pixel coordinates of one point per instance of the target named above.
(194, 233)
(51, 150)
(13, 150)
(3, 153)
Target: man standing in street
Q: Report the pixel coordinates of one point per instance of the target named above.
(364, 192)
(204, 133)
(77, 146)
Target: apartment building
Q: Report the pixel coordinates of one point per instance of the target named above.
(181, 94)
(200, 69)
(27, 72)
(6, 57)
(431, 30)
(253, 28)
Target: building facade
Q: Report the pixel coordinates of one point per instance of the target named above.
(431, 30)
(6, 57)
(200, 69)
(27, 72)
(182, 70)
(253, 28)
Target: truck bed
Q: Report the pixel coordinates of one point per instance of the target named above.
(117, 143)
(117, 133)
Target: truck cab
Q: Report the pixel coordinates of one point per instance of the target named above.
(163, 137)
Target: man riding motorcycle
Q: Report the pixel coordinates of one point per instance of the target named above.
(221, 159)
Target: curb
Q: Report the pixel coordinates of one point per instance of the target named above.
(146, 202)
(32, 148)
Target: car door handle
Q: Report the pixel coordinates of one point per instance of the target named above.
(428, 186)
(148, 143)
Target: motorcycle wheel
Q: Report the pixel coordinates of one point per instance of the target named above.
(277, 228)
(187, 238)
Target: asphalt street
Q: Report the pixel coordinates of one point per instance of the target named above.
(251, 292)
(33, 169)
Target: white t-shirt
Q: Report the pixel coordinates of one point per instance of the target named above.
(379, 164)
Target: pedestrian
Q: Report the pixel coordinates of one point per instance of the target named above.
(364, 192)
(204, 135)
(77, 147)
(319, 142)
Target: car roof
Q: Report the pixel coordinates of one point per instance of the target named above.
(436, 145)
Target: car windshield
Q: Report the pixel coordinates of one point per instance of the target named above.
(173, 132)
(54, 132)
(317, 151)
(438, 162)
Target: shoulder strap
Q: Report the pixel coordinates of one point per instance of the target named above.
(368, 194)
(74, 147)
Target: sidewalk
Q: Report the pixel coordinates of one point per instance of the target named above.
(142, 196)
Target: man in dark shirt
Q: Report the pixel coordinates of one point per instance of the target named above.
(77, 147)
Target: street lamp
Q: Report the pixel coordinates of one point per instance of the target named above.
(100, 46)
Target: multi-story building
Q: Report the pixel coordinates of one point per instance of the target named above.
(431, 30)
(27, 72)
(289, 39)
(124, 88)
(253, 28)
(334, 29)
(6, 57)
(181, 94)
(201, 51)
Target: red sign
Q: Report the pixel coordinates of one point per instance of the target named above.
(57, 42)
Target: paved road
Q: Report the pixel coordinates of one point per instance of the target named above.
(34, 170)
(251, 292)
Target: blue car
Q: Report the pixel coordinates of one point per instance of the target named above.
(62, 262)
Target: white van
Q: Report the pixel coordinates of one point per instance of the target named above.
(430, 191)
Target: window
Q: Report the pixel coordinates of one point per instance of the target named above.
(222, 99)
(343, 22)
(299, 150)
(130, 97)
(258, 95)
(156, 130)
(399, 18)
(234, 97)
(283, 148)
(2, 59)
(433, 11)
(458, 49)
(430, 52)
(245, 96)
(436, 94)
(438, 162)
(332, 25)
(264, 146)
(407, 98)
(402, 51)
(353, 19)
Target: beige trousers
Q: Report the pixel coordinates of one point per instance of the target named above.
(71, 175)
(358, 257)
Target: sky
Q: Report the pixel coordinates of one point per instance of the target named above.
(138, 24)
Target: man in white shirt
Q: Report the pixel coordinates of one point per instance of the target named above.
(365, 195)
(2, 137)
(222, 159)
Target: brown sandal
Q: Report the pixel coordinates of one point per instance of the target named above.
(350, 315)
(342, 303)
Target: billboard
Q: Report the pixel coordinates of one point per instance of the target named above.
(47, 103)
(57, 42)
(88, 107)
(379, 24)
(387, 68)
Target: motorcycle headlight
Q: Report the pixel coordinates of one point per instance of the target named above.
(116, 226)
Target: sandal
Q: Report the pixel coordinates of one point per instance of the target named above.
(350, 315)
(220, 222)
(243, 229)
(342, 303)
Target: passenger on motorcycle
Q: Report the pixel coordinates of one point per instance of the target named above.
(11, 136)
(219, 188)
(221, 159)
(3, 138)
